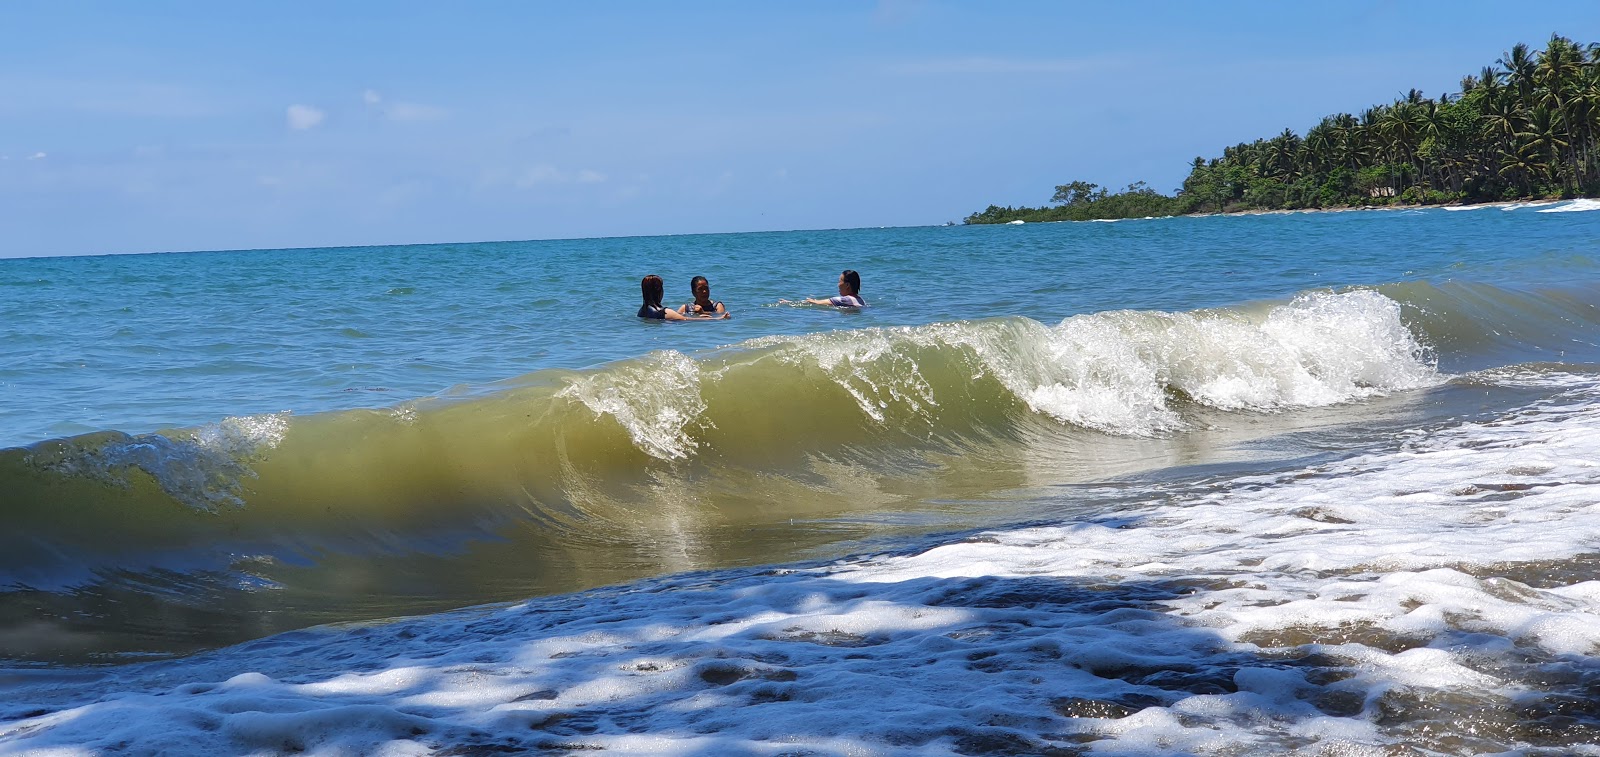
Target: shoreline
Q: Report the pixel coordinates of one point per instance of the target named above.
(1408, 206)
(1292, 211)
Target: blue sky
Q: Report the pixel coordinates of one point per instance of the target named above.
(153, 126)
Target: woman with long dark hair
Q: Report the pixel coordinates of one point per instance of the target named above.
(653, 289)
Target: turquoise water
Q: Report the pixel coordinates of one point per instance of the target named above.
(1317, 483)
(213, 447)
(141, 342)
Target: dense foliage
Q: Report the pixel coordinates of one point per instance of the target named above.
(1523, 128)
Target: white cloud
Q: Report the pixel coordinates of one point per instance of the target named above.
(37, 156)
(985, 65)
(587, 176)
(403, 111)
(302, 117)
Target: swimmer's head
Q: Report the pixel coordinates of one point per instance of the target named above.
(849, 279)
(653, 289)
(700, 287)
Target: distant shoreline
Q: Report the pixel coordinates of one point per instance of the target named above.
(1397, 206)
(1515, 132)
(1292, 211)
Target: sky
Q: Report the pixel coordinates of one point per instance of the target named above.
(165, 126)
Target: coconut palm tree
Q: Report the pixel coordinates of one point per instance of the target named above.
(1519, 67)
(1542, 141)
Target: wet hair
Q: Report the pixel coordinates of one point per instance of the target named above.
(854, 280)
(696, 281)
(653, 289)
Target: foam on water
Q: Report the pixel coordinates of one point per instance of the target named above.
(656, 399)
(1120, 372)
(1576, 206)
(1425, 596)
(1112, 371)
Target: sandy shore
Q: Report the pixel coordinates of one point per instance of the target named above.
(1495, 204)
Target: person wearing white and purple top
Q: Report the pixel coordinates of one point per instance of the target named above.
(849, 293)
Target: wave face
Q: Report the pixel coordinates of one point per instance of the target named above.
(649, 465)
(1127, 373)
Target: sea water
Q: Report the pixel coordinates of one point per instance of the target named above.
(1216, 485)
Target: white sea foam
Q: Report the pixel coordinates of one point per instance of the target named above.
(1116, 371)
(1111, 371)
(1576, 206)
(656, 400)
(1341, 609)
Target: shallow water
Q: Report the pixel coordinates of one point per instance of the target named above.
(1202, 485)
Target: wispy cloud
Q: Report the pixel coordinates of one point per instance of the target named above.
(992, 65)
(302, 117)
(540, 174)
(37, 156)
(402, 111)
(548, 174)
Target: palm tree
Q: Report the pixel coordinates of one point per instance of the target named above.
(1281, 153)
(1543, 140)
(1400, 125)
(1490, 78)
(1528, 123)
(1519, 68)
(1517, 167)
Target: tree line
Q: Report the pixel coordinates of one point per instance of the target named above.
(1523, 128)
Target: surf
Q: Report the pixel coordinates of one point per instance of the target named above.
(559, 479)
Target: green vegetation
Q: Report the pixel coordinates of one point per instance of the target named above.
(1524, 128)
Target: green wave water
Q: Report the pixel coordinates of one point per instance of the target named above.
(581, 447)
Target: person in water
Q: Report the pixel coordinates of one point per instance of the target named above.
(653, 290)
(703, 306)
(849, 293)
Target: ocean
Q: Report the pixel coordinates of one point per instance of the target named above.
(1325, 483)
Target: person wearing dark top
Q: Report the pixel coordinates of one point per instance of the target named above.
(653, 290)
(849, 293)
(703, 306)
